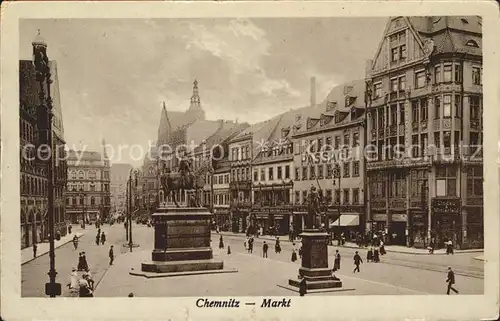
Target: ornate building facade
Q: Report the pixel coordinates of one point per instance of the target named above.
(424, 92)
(33, 179)
(88, 190)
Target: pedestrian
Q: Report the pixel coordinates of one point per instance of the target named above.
(357, 262)
(221, 243)
(250, 245)
(449, 247)
(131, 295)
(382, 248)
(277, 247)
(97, 238)
(111, 255)
(85, 265)
(75, 242)
(336, 261)
(294, 253)
(69, 229)
(369, 255)
(246, 244)
(80, 262)
(431, 247)
(84, 288)
(265, 247)
(451, 280)
(103, 238)
(89, 279)
(73, 281)
(35, 247)
(301, 251)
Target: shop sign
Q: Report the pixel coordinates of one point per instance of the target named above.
(399, 217)
(446, 206)
(379, 217)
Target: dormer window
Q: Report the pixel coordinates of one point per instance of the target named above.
(347, 101)
(472, 43)
(331, 105)
(298, 118)
(464, 21)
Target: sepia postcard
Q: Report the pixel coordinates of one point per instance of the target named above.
(281, 160)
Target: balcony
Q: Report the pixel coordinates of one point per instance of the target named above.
(398, 203)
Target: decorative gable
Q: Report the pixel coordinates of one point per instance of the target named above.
(325, 119)
(399, 45)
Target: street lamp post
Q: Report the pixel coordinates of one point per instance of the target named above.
(44, 117)
(338, 174)
(135, 172)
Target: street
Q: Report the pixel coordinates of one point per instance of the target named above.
(395, 274)
(34, 273)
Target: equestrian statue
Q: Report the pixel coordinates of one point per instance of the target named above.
(183, 179)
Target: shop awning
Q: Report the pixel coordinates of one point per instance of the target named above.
(346, 220)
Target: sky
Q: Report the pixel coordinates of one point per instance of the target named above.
(114, 74)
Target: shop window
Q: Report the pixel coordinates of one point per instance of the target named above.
(446, 181)
(475, 181)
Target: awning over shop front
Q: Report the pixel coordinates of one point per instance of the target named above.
(346, 220)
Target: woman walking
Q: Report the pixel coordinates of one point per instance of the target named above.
(277, 247)
(294, 253)
(221, 243)
(336, 261)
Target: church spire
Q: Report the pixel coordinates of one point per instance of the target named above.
(195, 98)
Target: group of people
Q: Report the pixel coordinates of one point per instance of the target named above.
(373, 254)
(100, 238)
(83, 286)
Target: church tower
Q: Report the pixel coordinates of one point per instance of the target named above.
(195, 112)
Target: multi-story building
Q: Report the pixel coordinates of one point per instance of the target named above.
(211, 163)
(243, 148)
(149, 182)
(33, 179)
(328, 155)
(424, 90)
(118, 185)
(88, 192)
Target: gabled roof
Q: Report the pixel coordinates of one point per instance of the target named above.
(226, 132)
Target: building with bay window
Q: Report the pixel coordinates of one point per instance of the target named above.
(424, 121)
(328, 154)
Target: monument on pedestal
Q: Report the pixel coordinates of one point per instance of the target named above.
(314, 268)
(182, 234)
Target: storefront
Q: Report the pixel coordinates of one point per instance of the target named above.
(397, 229)
(446, 221)
(348, 224)
(222, 218)
(240, 221)
(418, 229)
(475, 228)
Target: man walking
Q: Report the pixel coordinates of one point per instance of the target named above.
(265, 247)
(34, 249)
(111, 255)
(357, 262)
(451, 280)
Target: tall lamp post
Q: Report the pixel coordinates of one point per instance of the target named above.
(337, 173)
(44, 118)
(135, 172)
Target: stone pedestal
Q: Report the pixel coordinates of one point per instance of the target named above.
(314, 267)
(182, 241)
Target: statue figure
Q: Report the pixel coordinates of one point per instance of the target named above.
(179, 181)
(314, 214)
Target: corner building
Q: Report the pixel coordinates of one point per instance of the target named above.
(424, 93)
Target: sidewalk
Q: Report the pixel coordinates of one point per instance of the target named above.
(43, 248)
(388, 248)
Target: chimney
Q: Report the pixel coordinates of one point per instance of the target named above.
(313, 91)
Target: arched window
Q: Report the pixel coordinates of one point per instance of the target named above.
(73, 201)
(472, 43)
(80, 175)
(73, 175)
(92, 175)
